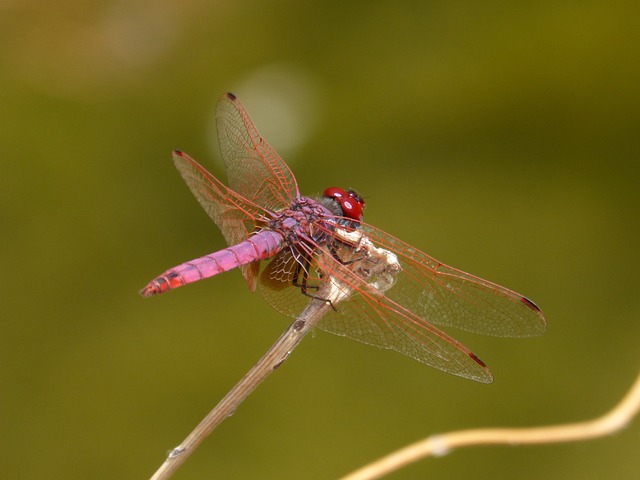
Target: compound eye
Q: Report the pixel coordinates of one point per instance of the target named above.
(335, 193)
(356, 205)
(350, 202)
(353, 194)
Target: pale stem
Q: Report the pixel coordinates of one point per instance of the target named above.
(438, 445)
(274, 357)
(382, 266)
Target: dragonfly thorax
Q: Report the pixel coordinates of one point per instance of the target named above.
(297, 222)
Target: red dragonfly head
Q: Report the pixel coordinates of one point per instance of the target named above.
(351, 203)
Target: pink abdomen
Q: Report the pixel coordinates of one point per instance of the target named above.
(259, 247)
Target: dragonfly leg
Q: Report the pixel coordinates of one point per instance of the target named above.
(300, 280)
(336, 256)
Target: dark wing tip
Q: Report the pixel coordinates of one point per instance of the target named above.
(477, 360)
(486, 376)
(530, 304)
(542, 323)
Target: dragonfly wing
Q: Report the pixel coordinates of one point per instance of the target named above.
(371, 316)
(395, 295)
(278, 281)
(385, 324)
(367, 315)
(254, 169)
(234, 215)
(449, 297)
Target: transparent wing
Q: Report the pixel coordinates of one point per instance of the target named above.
(398, 310)
(234, 215)
(366, 315)
(254, 169)
(383, 323)
(450, 297)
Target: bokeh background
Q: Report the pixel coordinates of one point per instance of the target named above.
(499, 137)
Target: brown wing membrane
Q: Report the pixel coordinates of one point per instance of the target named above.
(254, 169)
(234, 215)
(367, 315)
(449, 297)
(395, 296)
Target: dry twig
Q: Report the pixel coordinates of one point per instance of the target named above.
(441, 444)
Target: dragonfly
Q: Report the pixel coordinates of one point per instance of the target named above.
(309, 240)
(314, 259)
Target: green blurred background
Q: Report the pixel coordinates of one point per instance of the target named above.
(501, 138)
